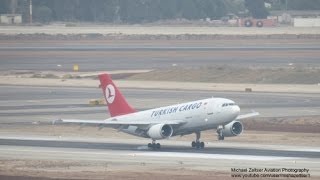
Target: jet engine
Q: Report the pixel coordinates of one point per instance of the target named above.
(160, 131)
(234, 128)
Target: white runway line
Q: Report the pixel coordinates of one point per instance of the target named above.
(213, 156)
(142, 147)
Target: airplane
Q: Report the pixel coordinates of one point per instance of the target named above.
(165, 122)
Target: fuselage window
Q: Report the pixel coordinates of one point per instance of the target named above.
(228, 104)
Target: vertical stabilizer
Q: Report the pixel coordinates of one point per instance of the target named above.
(116, 102)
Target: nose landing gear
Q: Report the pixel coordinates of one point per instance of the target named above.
(220, 133)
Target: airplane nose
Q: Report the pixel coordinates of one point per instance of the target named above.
(236, 110)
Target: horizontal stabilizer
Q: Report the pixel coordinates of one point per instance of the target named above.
(244, 116)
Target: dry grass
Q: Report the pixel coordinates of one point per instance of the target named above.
(230, 74)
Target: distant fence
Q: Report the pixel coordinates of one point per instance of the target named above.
(306, 22)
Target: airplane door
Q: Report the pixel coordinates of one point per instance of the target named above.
(209, 110)
(218, 108)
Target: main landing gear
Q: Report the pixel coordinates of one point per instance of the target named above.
(154, 145)
(197, 144)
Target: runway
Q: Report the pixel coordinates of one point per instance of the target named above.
(173, 155)
(29, 104)
(119, 56)
(242, 151)
(159, 48)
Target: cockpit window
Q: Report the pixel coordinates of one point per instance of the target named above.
(228, 104)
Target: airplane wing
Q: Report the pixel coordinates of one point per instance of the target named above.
(108, 122)
(244, 116)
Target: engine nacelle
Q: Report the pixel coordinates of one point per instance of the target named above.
(160, 131)
(234, 128)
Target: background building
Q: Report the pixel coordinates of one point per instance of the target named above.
(10, 18)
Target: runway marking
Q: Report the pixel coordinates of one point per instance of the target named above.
(142, 148)
(57, 151)
(154, 154)
(311, 150)
(308, 111)
(213, 156)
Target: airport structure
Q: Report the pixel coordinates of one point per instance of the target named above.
(11, 19)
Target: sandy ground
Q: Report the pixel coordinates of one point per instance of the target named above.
(163, 42)
(228, 74)
(77, 173)
(281, 88)
(33, 168)
(83, 170)
(154, 30)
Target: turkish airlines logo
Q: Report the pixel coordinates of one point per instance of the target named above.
(110, 93)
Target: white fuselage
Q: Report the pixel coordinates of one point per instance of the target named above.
(198, 116)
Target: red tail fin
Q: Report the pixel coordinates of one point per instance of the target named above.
(117, 104)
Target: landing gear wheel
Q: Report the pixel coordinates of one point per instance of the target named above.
(154, 145)
(220, 138)
(197, 144)
(202, 145)
(259, 24)
(193, 144)
(248, 23)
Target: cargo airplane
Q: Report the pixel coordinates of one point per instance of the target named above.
(164, 122)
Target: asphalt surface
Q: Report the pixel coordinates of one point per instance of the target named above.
(158, 48)
(108, 57)
(125, 155)
(134, 147)
(251, 100)
(124, 161)
(28, 104)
